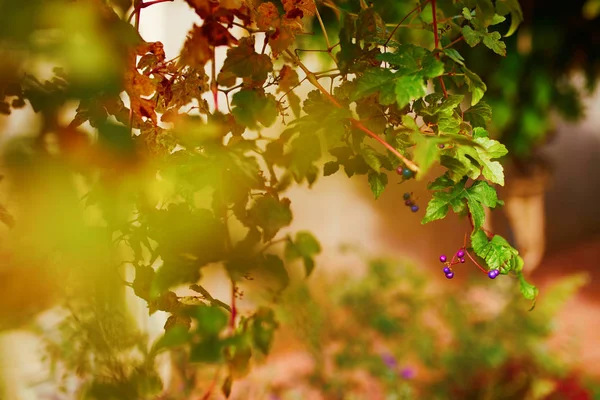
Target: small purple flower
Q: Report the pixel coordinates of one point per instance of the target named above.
(389, 360)
(407, 373)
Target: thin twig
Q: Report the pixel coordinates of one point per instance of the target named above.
(140, 5)
(404, 19)
(453, 42)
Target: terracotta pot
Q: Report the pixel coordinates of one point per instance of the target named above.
(524, 195)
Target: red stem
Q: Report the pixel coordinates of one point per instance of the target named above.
(214, 85)
(233, 307)
(436, 40)
(475, 262)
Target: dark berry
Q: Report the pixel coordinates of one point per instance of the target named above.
(414, 208)
(399, 170)
(460, 253)
(407, 173)
(493, 274)
(447, 270)
(462, 260)
(409, 203)
(441, 146)
(450, 275)
(443, 258)
(406, 196)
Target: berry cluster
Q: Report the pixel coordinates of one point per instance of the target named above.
(405, 172)
(459, 257)
(410, 202)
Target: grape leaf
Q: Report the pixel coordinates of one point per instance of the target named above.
(376, 80)
(270, 214)
(440, 204)
(304, 246)
(244, 62)
(479, 115)
(475, 84)
(378, 182)
(252, 107)
(496, 252)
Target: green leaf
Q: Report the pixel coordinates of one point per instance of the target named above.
(480, 194)
(493, 42)
(454, 56)
(408, 88)
(208, 350)
(305, 151)
(449, 124)
(409, 59)
(495, 252)
(441, 182)
(272, 267)
(252, 107)
(426, 152)
(467, 13)
(263, 327)
(498, 19)
(475, 84)
(371, 157)
(479, 115)
(211, 320)
(330, 168)
(174, 337)
(378, 183)
(376, 80)
(472, 37)
(270, 214)
(528, 291)
(492, 170)
(305, 246)
(513, 7)
(438, 206)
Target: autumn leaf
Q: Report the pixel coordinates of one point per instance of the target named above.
(307, 7)
(244, 62)
(196, 49)
(267, 16)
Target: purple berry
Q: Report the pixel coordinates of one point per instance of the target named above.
(414, 208)
(493, 274)
(443, 258)
(399, 170)
(447, 270)
(409, 203)
(441, 146)
(406, 196)
(450, 275)
(462, 260)
(460, 253)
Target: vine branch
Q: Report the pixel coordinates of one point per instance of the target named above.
(315, 82)
(436, 40)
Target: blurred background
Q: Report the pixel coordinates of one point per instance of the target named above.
(546, 109)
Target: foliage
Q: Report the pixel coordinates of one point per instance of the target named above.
(534, 82)
(467, 343)
(172, 183)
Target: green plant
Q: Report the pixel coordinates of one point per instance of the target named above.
(533, 83)
(416, 341)
(172, 182)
